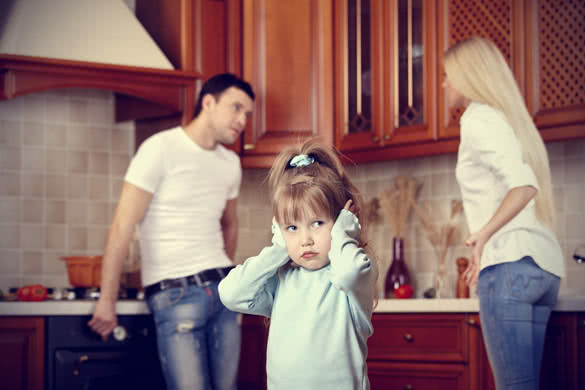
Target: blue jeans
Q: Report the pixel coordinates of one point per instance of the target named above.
(198, 338)
(515, 302)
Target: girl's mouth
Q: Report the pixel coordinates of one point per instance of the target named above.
(309, 255)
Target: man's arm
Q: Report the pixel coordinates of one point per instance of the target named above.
(131, 208)
(229, 227)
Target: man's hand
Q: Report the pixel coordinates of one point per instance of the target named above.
(104, 318)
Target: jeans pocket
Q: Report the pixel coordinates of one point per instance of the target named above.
(165, 299)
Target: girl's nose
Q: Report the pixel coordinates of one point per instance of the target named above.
(307, 240)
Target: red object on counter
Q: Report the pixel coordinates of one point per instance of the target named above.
(404, 291)
(32, 293)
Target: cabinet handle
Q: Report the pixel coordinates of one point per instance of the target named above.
(249, 146)
(408, 387)
(375, 139)
(471, 323)
(387, 137)
(408, 337)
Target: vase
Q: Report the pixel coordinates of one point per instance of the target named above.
(397, 275)
(442, 284)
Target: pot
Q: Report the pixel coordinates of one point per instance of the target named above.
(84, 271)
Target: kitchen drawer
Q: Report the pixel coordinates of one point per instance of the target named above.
(421, 338)
(411, 376)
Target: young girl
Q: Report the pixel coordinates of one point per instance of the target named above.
(504, 176)
(315, 283)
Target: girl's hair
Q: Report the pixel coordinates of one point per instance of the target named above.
(477, 69)
(304, 191)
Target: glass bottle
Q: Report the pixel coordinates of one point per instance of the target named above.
(398, 273)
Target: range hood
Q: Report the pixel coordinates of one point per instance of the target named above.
(88, 44)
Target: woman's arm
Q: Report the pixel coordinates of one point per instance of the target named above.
(514, 201)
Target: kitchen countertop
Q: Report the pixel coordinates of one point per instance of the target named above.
(130, 307)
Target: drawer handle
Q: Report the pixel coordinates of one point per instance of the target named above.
(472, 323)
(409, 387)
(408, 337)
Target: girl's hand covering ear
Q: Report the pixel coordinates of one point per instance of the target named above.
(277, 238)
(347, 222)
(352, 207)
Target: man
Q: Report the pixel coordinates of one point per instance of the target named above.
(181, 188)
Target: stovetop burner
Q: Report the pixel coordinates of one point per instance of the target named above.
(84, 293)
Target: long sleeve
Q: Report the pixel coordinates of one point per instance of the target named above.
(250, 287)
(352, 270)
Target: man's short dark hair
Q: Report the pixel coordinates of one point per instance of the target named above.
(217, 85)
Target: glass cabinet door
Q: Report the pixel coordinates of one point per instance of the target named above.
(384, 72)
(358, 73)
(410, 69)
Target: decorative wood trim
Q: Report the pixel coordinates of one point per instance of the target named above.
(21, 75)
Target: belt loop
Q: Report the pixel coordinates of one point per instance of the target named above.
(221, 273)
(198, 280)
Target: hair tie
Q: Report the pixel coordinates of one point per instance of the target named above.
(301, 160)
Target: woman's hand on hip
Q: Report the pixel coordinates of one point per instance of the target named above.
(476, 241)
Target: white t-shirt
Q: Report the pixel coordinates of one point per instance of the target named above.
(181, 234)
(489, 165)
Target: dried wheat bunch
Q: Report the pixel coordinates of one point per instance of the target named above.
(396, 201)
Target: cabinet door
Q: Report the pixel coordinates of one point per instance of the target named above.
(412, 376)
(385, 73)
(410, 70)
(556, 67)
(480, 373)
(559, 361)
(358, 74)
(287, 56)
(501, 21)
(581, 351)
(252, 369)
(22, 345)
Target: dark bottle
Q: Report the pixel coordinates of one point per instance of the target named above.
(398, 273)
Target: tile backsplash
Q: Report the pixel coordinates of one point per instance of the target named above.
(63, 158)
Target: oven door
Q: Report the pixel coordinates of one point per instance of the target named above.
(105, 369)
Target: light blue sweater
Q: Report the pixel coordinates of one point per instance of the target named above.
(319, 320)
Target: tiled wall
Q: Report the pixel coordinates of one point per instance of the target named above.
(62, 159)
(439, 187)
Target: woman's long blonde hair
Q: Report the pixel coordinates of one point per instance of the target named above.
(477, 69)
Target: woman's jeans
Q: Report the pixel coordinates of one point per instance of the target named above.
(515, 302)
(198, 338)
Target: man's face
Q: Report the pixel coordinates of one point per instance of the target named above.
(229, 114)
(308, 241)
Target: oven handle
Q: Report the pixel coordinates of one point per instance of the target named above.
(85, 359)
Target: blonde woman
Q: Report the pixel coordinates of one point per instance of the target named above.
(504, 177)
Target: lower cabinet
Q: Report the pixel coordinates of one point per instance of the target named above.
(22, 342)
(252, 369)
(446, 351)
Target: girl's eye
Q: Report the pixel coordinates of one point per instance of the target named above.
(291, 228)
(316, 224)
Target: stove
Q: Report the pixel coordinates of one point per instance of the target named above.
(77, 358)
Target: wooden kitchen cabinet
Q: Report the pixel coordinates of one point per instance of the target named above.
(252, 368)
(22, 350)
(196, 35)
(501, 21)
(287, 56)
(384, 73)
(555, 67)
(581, 351)
(544, 44)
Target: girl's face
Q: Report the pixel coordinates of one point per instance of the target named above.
(308, 241)
(454, 98)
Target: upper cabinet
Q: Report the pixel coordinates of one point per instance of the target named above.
(501, 21)
(555, 67)
(367, 75)
(287, 56)
(384, 73)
